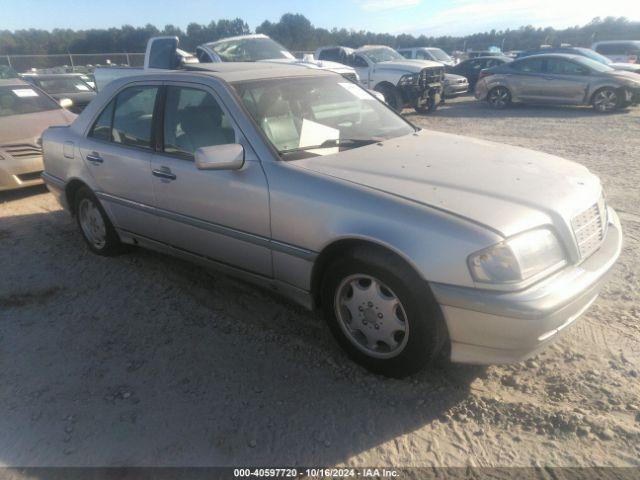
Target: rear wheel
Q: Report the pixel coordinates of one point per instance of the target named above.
(606, 100)
(94, 224)
(499, 97)
(382, 313)
(392, 97)
(430, 106)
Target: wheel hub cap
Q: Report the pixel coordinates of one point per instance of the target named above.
(371, 316)
(92, 223)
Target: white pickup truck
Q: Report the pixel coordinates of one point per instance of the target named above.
(403, 82)
(245, 48)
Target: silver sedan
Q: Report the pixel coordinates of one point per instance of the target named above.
(414, 243)
(559, 79)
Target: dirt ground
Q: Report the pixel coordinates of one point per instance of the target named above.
(146, 360)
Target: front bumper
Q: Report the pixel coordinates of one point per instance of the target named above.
(488, 327)
(19, 172)
(453, 90)
(418, 96)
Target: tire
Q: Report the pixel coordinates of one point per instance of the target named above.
(394, 341)
(499, 97)
(430, 106)
(606, 100)
(391, 96)
(94, 224)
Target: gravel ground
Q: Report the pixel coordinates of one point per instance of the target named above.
(146, 360)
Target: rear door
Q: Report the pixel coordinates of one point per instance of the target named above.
(117, 151)
(527, 81)
(218, 214)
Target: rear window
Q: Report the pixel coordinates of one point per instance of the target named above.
(21, 99)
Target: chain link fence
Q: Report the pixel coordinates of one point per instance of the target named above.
(83, 63)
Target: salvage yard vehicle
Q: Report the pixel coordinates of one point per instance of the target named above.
(427, 53)
(585, 52)
(454, 85)
(559, 79)
(64, 85)
(261, 48)
(404, 83)
(470, 69)
(25, 112)
(304, 183)
(626, 51)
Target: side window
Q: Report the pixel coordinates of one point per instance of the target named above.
(563, 67)
(330, 54)
(133, 116)
(193, 119)
(610, 49)
(533, 65)
(422, 55)
(203, 57)
(358, 61)
(101, 129)
(476, 65)
(407, 53)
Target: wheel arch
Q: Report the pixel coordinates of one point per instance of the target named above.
(617, 88)
(70, 191)
(339, 247)
(384, 84)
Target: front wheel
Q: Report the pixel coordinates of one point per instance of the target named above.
(606, 100)
(382, 313)
(499, 97)
(392, 97)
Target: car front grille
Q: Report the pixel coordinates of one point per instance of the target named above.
(25, 150)
(352, 77)
(431, 75)
(589, 228)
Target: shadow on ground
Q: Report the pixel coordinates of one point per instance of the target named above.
(146, 360)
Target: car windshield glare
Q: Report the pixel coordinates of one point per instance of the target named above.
(307, 117)
(381, 54)
(439, 54)
(595, 56)
(593, 65)
(250, 50)
(21, 99)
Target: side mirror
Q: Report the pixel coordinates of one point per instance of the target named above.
(220, 157)
(66, 102)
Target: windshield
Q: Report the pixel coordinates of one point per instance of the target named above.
(19, 99)
(62, 85)
(595, 56)
(381, 54)
(592, 64)
(249, 50)
(307, 117)
(439, 54)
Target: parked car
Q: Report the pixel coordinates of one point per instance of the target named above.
(25, 112)
(302, 182)
(585, 52)
(404, 83)
(65, 85)
(427, 53)
(261, 48)
(455, 85)
(625, 51)
(484, 53)
(559, 79)
(470, 69)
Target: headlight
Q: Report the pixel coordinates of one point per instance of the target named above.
(410, 79)
(518, 258)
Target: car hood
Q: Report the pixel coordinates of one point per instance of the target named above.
(411, 66)
(28, 127)
(507, 189)
(319, 64)
(629, 67)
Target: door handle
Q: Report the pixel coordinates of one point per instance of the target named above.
(94, 158)
(164, 172)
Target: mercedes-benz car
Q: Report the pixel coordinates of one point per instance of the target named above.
(415, 243)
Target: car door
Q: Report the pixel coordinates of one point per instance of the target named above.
(219, 214)
(527, 81)
(117, 152)
(565, 81)
(361, 65)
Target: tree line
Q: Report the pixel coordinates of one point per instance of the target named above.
(297, 33)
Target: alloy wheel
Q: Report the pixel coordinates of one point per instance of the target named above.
(92, 223)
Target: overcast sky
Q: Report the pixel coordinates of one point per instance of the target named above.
(432, 17)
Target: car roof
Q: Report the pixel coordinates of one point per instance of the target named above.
(605, 42)
(51, 75)
(237, 37)
(244, 71)
(569, 56)
(489, 57)
(13, 82)
(368, 47)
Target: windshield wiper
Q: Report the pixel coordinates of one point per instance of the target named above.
(333, 143)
